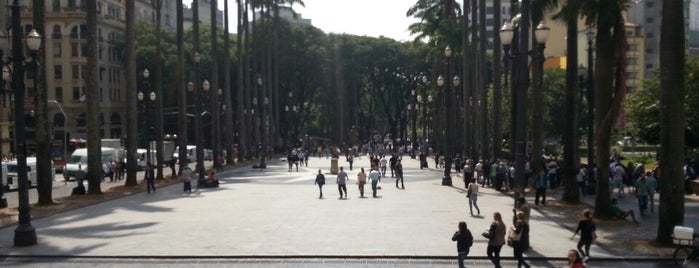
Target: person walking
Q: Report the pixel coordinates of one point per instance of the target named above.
(342, 183)
(382, 163)
(586, 228)
(472, 195)
(320, 181)
(464, 241)
(519, 230)
(150, 177)
(361, 181)
(653, 185)
(187, 179)
(393, 161)
(375, 178)
(350, 159)
(496, 238)
(399, 174)
(643, 190)
(541, 184)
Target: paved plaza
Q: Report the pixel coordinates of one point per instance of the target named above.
(276, 213)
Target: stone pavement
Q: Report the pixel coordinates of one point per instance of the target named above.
(274, 212)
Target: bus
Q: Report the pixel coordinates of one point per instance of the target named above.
(57, 151)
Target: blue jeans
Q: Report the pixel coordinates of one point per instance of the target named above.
(642, 203)
(462, 257)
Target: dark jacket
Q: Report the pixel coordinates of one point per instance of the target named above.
(463, 241)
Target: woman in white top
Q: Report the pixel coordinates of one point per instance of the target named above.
(472, 195)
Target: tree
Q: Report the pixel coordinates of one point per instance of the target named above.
(157, 6)
(227, 94)
(94, 163)
(570, 136)
(130, 75)
(672, 120)
(609, 75)
(643, 108)
(43, 138)
(181, 93)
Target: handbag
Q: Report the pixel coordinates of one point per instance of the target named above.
(512, 237)
(487, 234)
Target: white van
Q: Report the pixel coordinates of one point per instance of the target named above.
(191, 153)
(13, 177)
(142, 158)
(78, 160)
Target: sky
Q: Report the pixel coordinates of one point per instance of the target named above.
(357, 17)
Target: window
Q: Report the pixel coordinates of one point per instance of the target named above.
(71, 4)
(632, 47)
(649, 66)
(76, 71)
(650, 35)
(649, 4)
(630, 89)
(488, 10)
(74, 49)
(76, 94)
(57, 72)
(56, 33)
(649, 51)
(58, 94)
(631, 75)
(83, 49)
(56, 50)
(84, 71)
(56, 5)
(649, 20)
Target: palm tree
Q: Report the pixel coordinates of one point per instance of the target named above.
(570, 134)
(228, 114)
(181, 93)
(43, 139)
(497, 83)
(240, 94)
(157, 6)
(672, 120)
(609, 89)
(94, 163)
(130, 73)
(214, 97)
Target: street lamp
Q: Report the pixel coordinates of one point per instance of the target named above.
(447, 98)
(146, 109)
(413, 114)
(25, 234)
(265, 124)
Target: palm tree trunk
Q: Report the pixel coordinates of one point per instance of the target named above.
(42, 127)
(94, 163)
(182, 94)
(497, 83)
(672, 120)
(483, 89)
(132, 112)
(228, 112)
(241, 103)
(214, 97)
(157, 6)
(570, 134)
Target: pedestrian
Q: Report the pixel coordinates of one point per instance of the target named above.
(496, 238)
(580, 178)
(586, 228)
(375, 177)
(187, 179)
(552, 169)
(653, 184)
(350, 159)
(479, 172)
(150, 177)
(320, 181)
(468, 172)
(472, 195)
(392, 162)
(464, 241)
(518, 231)
(541, 184)
(290, 161)
(382, 163)
(618, 173)
(643, 190)
(622, 214)
(521, 205)
(574, 260)
(342, 183)
(399, 174)
(361, 181)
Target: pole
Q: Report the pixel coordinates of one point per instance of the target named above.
(521, 109)
(590, 110)
(446, 180)
(25, 234)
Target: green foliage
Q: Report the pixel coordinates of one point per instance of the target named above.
(643, 108)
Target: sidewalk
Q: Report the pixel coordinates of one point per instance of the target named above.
(273, 212)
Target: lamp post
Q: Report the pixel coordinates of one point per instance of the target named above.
(5, 92)
(25, 234)
(265, 124)
(146, 104)
(413, 114)
(447, 98)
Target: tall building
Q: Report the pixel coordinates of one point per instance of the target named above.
(168, 13)
(648, 14)
(204, 14)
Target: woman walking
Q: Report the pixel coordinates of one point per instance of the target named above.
(520, 230)
(464, 241)
(586, 228)
(496, 238)
(472, 194)
(361, 181)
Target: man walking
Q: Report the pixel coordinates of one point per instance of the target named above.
(150, 177)
(375, 178)
(342, 183)
(393, 161)
(643, 190)
(320, 181)
(399, 174)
